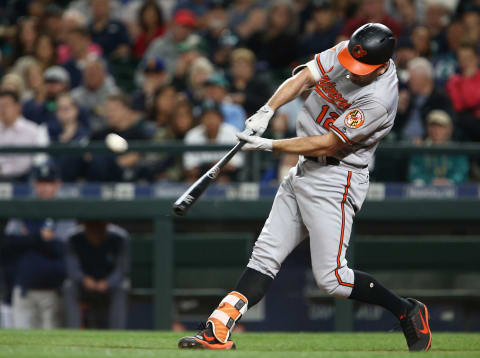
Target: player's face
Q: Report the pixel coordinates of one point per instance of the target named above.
(363, 80)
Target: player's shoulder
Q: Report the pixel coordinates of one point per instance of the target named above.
(327, 60)
(385, 88)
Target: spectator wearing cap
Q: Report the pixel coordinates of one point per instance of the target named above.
(15, 130)
(154, 77)
(223, 50)
(97, 274)
(71, 166)
(371, 11)
(216, 89)
(80, 45)
(42, 108)
(322, 31)
(111, 35)
(247, 89)
(438, 169)
(423, 97)
(152, 25)
(212, 130)
(404, 53)
(121, 120)
(180, 30)
(464, 91)
(96, 87)
(32, 256)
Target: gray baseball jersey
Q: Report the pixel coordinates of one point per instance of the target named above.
(358, 115)
(317, 199)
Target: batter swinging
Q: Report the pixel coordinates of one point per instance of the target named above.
(351, 108)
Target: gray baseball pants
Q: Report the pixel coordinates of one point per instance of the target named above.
(319, 201)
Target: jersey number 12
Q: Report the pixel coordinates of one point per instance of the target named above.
(328, 121)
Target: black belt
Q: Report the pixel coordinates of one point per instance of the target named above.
(328, 160)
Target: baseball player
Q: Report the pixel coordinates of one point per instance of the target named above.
(351, 108)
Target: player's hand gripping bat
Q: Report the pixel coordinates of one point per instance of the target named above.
(184, 202)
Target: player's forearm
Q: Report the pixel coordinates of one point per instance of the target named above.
(311, 146)
(291, 89)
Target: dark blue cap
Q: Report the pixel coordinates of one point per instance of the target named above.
(46, 172)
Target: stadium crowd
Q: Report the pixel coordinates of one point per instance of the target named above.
(194, 70)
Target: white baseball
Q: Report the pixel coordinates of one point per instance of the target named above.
(116, 143)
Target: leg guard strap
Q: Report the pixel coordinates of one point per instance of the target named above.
(223, 319)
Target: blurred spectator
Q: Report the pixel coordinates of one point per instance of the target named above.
(222, 52)
(13, 82)
(166, 47)
(211, 130)
(111, 35)
(421, 98)
(97, 270)
(247, 89)
(163, 166)
(438, 169)
(471, 21)
(52, 21)
(464, 91)
(405, 52)
(371, 11)
(247, 17)
(193, 84)
(269, 44)
(15, 130)
(73, 131)
(128, 124)
(81, 48)
(215, 24)
(41, 109)
(71, 20)
(154, 77)
(97, 86)
(45, 51)
(445, 64)
(152, 24)
(26, 35)
(421, 41)
(437, 16)
(407, 13)
(163, 106)
(216, 89)
(322, 30)
(33, 259)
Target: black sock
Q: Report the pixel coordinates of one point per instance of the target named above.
(253, 285)
(367, 289)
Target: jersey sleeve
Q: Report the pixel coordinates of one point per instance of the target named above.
(311, 66)
(358, 124)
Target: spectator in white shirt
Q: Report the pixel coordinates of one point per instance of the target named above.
(15, 130)
(212, 130)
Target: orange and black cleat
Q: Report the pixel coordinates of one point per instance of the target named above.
(204, 340)
(416, 328)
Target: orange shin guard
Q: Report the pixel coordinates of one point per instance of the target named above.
(229, 311)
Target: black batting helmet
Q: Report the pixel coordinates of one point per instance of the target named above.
(369, 47)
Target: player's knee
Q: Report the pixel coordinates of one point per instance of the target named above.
(326, 283)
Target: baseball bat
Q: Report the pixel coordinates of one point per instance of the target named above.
(184, 202)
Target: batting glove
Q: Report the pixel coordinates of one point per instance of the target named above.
(258, 123)
(255, 143)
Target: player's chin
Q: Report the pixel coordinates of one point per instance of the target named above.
(360, 80)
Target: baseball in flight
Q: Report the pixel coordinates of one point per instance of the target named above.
(116, 143)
